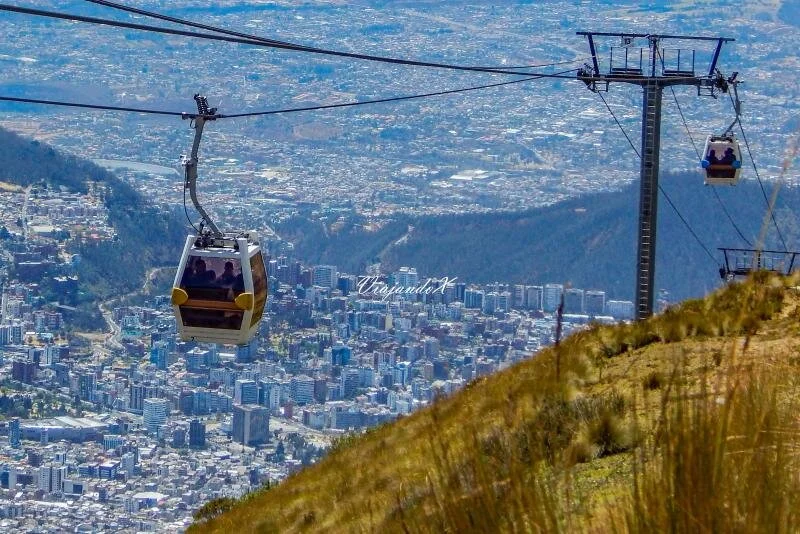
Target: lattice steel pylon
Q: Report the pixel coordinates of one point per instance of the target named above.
(660, 68)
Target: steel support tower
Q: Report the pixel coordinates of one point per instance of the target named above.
(653, 68)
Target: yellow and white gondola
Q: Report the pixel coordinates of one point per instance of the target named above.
(220, 290)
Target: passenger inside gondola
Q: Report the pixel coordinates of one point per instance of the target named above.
(238, 284)
(211, 298)
(729, 158)
(724, 167)
(228, 277)
(202, 276)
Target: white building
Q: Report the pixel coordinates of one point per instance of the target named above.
(519, 297)
(552, 297)
(324, 276)
(534, 296)
(620, 309)
(406, 277)
(302, 388)
(155, 414)
(51, 478)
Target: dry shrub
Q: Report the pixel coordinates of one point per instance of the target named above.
(654, 380)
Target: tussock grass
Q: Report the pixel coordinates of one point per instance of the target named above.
(682, 423)
(654, 380)
(720, 463)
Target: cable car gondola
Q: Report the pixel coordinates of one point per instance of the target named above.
(220, 288)
(722, 157)
(722, 160)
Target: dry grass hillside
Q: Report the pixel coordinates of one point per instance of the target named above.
(683, 423)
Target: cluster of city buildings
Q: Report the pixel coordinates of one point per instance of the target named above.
(137, 432)
(336, 353)
(41, 212)
(107, 474)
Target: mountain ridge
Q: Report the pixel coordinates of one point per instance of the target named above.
(25, 162)
(589, 241)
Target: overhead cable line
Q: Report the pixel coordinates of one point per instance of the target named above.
(267, 112)
(791, 154)
(305, 48)
(661, 189)
(380, 100)
(267, 43)
(159, 16)
(686, 223)
(538, 66)
(770, 205)
(618, 124)
(699, 157)
(89, 106)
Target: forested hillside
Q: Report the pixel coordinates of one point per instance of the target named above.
(146, 237)
(588, 241)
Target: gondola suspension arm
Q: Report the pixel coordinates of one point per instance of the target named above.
(731, 82)
(204, 113)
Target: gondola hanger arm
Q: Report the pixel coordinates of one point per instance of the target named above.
(204, 113)
(733, 84)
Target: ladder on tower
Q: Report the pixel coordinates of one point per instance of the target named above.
(648, 198)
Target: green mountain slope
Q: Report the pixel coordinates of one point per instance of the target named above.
(684, 423)
(146, 237)
(589, 241)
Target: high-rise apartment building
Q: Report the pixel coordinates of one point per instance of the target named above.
(519, 297)
(324, 276)
(155, 412)
(302, 389)
(534, 297)
(245, 392)
(197, 434)
(552, 297)
(620, 309)
(573, 300)
(51, 477)
(473, 298)
(250, 424)
(406, 277)
(350, 380)
(595, 302)
(14, 433)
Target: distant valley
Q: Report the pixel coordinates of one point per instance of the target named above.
(588, 241)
